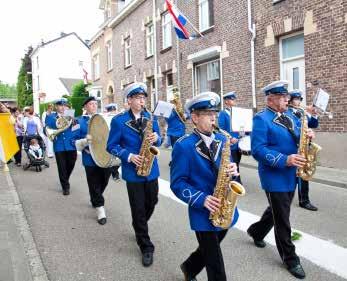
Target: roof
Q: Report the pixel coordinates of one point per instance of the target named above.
(69, 83)
(62, 35)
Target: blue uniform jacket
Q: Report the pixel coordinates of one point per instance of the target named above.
(271, 144)
(81, 133)
(175, 125)
(124, 139)
(194, 176)
(64, 140)
(312, 122)
(224, 122)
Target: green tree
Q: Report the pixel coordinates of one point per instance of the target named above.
(7, 91)
(24, 81)
(80, 89)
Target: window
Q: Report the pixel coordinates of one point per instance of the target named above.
(169, 86)
(149, 40)
(166, 30)
(96, 66)
(109, 55)
(205, 14)
(293, 46)
(127, 52)
(292, 61)
(207, 77)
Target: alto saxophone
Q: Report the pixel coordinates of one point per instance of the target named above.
(307, 149)
(147, 151)
(178, 106)
(226, 190)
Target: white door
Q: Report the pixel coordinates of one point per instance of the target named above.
(294, 73)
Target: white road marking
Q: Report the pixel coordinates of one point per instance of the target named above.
(320, 252)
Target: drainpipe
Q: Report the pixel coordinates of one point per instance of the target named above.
(251, 28)
(155, 54)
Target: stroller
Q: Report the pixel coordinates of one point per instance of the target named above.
(33, 162)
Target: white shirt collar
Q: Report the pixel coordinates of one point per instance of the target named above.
(207, 140)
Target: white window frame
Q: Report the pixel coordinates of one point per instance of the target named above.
(127, 52)
(96, 66)
(282, 61)
(149, 40)
(195, 83)
(109, 55)
(166, 31)
(201, 16)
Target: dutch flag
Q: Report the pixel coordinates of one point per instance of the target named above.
(179, 21)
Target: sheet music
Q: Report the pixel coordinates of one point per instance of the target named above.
(163, 109)
(69, 112)
(242, 119)
(321, 100)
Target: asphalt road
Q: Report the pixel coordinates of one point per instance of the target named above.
(74, 247)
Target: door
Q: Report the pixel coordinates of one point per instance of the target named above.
(294, 73)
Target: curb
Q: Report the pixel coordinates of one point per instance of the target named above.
(317, 180)
(37, 269)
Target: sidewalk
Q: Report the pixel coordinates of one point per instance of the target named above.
(19, 258)
(329, 176)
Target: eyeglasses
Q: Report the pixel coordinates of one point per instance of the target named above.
(139, 97)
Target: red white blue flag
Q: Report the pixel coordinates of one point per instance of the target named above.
(179, 21)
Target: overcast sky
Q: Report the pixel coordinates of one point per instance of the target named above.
(26, 22)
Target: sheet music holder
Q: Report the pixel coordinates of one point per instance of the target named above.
(242, 119)
(163, 109)
(321, 100)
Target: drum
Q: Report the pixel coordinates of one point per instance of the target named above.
(245, 145)
(99, 129)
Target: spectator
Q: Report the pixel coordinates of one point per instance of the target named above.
(31, 123)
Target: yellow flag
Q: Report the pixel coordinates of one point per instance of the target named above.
(8, 140)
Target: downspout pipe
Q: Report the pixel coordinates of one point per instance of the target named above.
(252, 30)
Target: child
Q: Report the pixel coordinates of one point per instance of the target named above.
(35, 149)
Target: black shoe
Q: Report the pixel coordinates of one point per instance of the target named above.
(297, 271)
(102, 221)
(116, 178)
(308, 206)
(147, 259)
(186, 274)
(66, 192)
(257, 243)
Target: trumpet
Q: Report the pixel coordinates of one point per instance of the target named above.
(62, 123)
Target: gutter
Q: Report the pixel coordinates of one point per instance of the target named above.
(251, 29)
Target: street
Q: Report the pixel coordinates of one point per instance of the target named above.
(74, 247)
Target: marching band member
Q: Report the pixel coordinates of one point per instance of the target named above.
(194, 171)
(125, 141)
(224, 122)
(64, 150)
(274, 145)
(111, 110)
(176, 127)
(312, 122)
(97, 177)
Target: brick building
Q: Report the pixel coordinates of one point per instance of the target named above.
(245, 45)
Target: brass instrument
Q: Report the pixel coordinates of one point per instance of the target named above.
(226, 190)
(62, 123)
(178, 105)
(147, 151)
(307, 149)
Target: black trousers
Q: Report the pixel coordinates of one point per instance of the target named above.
(143, 196)
(65, 162)
(236, 155)
(277, 216)
(18, 155)
(209, 255)
(97, 179)
(114, 171)
(173, 140)
(303, 189)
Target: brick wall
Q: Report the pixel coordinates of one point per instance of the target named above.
(325, 31)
